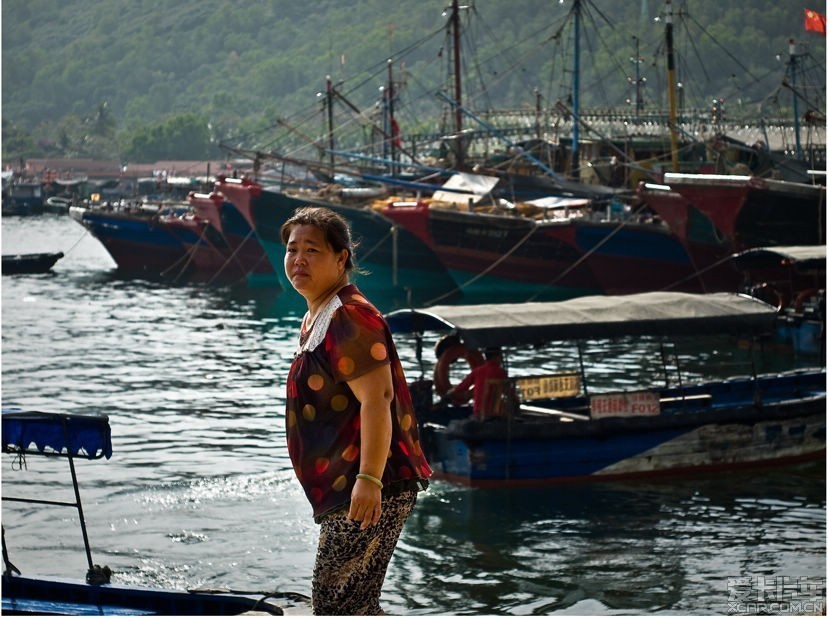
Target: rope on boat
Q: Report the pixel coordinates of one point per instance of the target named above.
(589, 253)
(9, 567)
(231, 258)
(697, 273)
(291, 596)
(378, 243)
(189, 255)
(495, 264)
(77, 242)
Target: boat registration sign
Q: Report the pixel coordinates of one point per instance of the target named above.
(554, 385)
(633, 403)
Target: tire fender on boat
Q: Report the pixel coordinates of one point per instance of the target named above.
(448, 350)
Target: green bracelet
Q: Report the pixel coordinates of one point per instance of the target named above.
(373, 479)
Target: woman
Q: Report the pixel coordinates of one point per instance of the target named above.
(351, 430)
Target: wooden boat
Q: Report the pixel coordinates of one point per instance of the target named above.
(565, 425)
(29, 263)
(131, 235)
(559, 247)
(89, 437)
(403, 270)
(202, 239)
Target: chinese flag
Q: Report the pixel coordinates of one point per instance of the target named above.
(814, 21)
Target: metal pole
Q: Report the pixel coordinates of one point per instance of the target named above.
(576, 93)
(458, 91)
(792, 52)
(69, 451)
(671, 88)
(394, 252)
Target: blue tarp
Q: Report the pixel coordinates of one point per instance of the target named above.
(78, 435)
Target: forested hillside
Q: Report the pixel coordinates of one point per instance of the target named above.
(142, 79)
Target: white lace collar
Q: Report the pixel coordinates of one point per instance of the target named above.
(319, 328)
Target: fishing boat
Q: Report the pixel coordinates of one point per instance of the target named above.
(398, 265)
(747, 211)
(229, 248)
(29, 263)
(131, 235)
(72, 436)
(560, 247)
(202, 239)
(22, 197)
(569, 422)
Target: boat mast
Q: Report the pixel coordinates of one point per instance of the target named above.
(671, 87)
(637, 61)
(391, 129)
(576, 91)
(458, 91)
(792, 67)
(329, 102)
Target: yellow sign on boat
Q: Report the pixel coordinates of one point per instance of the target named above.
(543, 387)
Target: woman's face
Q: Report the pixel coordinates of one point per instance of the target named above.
(311, 264)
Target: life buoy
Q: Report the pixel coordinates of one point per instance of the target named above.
(446, 356)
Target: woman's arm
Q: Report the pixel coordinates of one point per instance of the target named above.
(374, 390)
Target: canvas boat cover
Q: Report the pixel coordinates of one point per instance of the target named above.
(591, 317)
(802, 257)
(79, 435)
(463, 187)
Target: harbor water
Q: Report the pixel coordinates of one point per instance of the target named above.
(200, 493)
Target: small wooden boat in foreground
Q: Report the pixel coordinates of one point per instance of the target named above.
(89, 436)
(564, 425)
(29, 263)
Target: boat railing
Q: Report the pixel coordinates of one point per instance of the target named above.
(544, 395)
(57, 435)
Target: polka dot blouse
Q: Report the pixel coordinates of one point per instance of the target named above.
(348, 339)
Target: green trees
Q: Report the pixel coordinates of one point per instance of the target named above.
(139, 80)
(185, 136)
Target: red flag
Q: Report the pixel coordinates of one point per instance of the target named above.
(814, 21)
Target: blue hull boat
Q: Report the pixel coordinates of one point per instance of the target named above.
(72, 436)
(50, 596)
(402, 270)
(206, 239)
(562, 426)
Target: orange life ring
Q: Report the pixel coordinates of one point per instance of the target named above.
(453, 352)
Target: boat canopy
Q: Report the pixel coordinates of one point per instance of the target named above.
(802, 257)
(75, 435)
(590, 317)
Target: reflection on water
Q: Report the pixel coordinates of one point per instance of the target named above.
(200, 491)
(625, 546)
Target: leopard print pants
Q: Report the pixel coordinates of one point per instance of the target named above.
(351, 563)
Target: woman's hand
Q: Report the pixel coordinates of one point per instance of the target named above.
(374, 390)
(366, 503)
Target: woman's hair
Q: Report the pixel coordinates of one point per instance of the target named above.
(333, 225)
